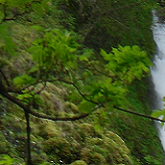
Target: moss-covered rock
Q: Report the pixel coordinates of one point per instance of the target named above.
(86, 130)
(71, 107)
(78, 162)
(108, 149)
(3, 143)
(58, 147)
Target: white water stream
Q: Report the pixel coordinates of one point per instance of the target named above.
(158, 70)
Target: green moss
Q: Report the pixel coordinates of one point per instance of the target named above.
(78, 162)
(52, 104)
(59, 147)
(45, 129)
(110, 148)
(3, 144)
(23, 35)
(86, 130)
(117, 139)
(71, 107)
(36, 158)
(58, 90)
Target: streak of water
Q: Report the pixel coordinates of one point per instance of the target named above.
(158, 70)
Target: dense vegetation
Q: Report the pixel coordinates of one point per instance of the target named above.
(71, 67)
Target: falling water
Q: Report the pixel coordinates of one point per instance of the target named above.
(158, 70)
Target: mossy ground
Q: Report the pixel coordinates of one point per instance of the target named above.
(122, 139)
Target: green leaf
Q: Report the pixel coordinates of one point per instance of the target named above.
(38, 100)
(86, 106)
(105, 55)
(83, 58)
(158, 113)
(86, 55)
(98, 127)
(37, 53)
(26, 98)
(7, 160)
(23, 80)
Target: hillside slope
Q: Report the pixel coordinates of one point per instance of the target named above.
(112, 138)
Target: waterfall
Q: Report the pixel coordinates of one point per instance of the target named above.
(158, 70)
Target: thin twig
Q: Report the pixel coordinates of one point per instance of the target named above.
(138, 114)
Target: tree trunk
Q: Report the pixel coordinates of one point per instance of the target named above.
(29, 161)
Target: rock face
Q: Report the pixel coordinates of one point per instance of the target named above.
(75, 143)
(87, 146)
(79, 162)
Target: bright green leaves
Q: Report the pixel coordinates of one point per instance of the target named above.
(86, 106)
(57, 57)
(7, 160)
(24, 80)
(29, 98)
(86, 55)
(107, 81)
(159, 114)
(56, 49)
(29, 94)
(128, 63)
(25, 98)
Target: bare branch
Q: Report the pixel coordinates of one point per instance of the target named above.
(73, 118)
(138, 114)
(29, 110)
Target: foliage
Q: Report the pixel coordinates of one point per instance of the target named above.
(159, 113)
(131, 61)
(130, 127)
(150, 160)
(57, 59)
(56, 56)
(7, 160)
